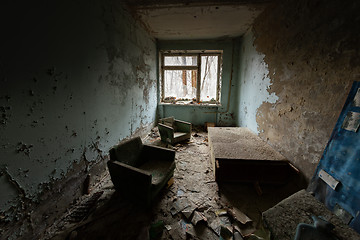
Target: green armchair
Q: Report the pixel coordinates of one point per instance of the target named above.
(140, 171)
(173, 131)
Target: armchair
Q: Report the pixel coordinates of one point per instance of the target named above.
(139, 170)
(173, 131)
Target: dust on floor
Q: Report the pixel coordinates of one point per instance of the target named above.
(193, 207)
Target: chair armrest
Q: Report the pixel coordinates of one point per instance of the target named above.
(182, 126)
(129, 178)
(166, 133)
(150, 151)
(127, 168)
(165, 126)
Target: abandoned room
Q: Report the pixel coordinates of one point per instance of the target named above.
(180, 119)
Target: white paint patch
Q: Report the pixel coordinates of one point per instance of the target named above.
(328, 179)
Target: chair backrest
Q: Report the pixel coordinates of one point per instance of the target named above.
(127, 152)
(169, 121)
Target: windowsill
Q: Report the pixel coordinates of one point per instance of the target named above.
(190, 104)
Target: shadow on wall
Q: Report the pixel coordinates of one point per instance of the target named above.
(312, 61)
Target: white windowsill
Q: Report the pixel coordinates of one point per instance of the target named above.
(190, 104)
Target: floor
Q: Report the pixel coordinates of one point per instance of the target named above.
(193, 207)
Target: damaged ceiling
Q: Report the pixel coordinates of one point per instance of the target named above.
(189, 20)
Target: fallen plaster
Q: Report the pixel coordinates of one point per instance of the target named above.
(193, 204)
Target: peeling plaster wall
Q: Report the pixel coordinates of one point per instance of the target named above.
(199, 22)
(76, 78)
(254, 84)
(311, 49)
(223, 115)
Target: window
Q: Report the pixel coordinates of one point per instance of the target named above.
(191, 77)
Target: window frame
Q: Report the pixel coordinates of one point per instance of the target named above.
(190, 53)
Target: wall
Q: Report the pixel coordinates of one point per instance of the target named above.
(254, 86)
(222, 115)
(76, 78)
(311, 53)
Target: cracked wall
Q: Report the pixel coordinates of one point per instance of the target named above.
(254, 84)
(76, 78)
(311, 52)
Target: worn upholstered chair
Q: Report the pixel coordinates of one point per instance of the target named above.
(173, 131)
(140, 171)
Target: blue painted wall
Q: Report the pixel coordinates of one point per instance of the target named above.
(341, 159)
(76, 78)
(254, 82)
(223, 115)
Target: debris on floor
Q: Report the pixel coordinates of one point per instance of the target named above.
(82, 211)
(191, 206)
(179, 205)
(237, 215)
(198, 216)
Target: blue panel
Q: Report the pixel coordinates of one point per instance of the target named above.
(341, 159)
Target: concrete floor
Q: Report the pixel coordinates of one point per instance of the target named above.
(115, 217)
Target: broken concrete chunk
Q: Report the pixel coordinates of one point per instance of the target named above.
(177, 232)
(188, 227)
(244, 230)
(226, 232)
(239, 216)
(218, 222)
(225, 220)
(179, 205)
(216, 226)
(197, 218)
(189, 210)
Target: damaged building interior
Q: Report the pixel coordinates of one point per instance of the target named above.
(180, 119)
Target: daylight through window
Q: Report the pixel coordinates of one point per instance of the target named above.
(192, 78)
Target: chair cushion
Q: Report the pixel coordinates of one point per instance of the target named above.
(159, 169)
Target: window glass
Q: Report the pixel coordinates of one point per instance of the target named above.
(180, 61)
(179, 85)
(191, 77)
(209, 78)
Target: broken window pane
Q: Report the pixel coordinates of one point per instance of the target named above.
(179, 85)
(182, 81)
(209, 78)
(180, 61)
